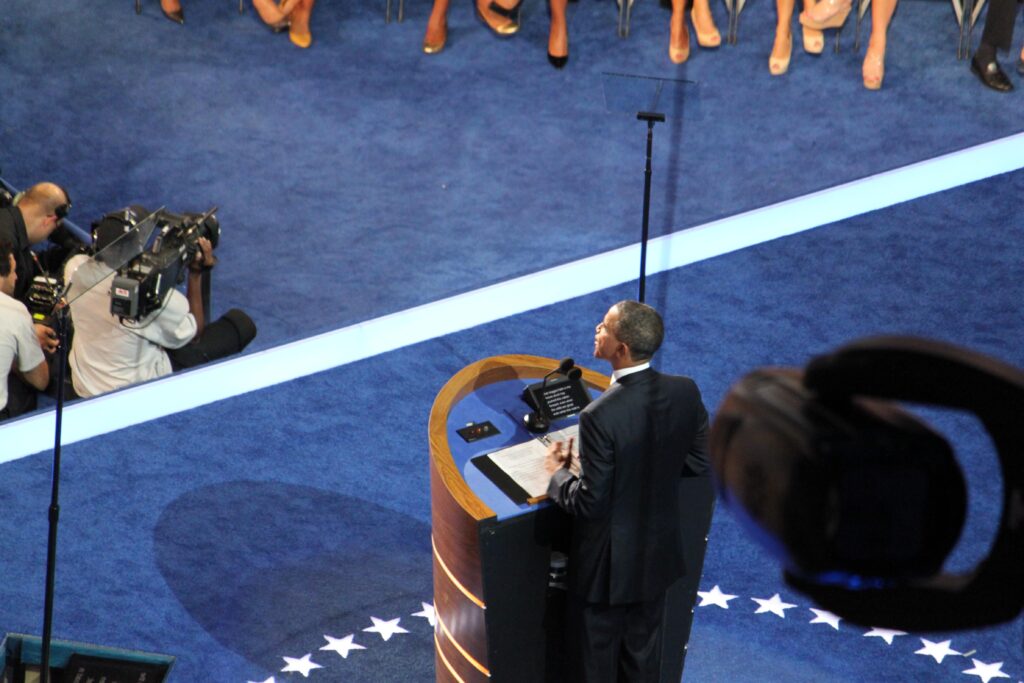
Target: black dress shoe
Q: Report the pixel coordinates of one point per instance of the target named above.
(991, 75)
(177, 16)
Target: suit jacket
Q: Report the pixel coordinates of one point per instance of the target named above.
(636, 441)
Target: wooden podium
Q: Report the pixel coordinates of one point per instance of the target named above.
(495, 620)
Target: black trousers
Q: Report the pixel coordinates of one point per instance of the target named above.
(615, 643)
(999, 23)
(21, 397)
(224, 337)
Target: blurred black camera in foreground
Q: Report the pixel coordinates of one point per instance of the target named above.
(151, 253)
(862, 501)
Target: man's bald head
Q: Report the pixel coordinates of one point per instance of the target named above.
(49, 196)
(43, 206)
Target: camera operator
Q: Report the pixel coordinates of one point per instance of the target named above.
(20, 354)
(109, 352)
(34, 219)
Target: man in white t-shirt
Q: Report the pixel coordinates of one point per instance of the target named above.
(110, 352)
(20, 352)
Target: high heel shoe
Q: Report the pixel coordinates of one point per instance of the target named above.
(814, 41)
(779, 65)
(175, 15)
(676, 52)
(710, 38)
(433, 41)
(556, 41)
(873, 69)
(299, 32)
(300, 38)
(504, 28)
(826, 14)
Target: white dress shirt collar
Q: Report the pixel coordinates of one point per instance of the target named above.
(619, 374)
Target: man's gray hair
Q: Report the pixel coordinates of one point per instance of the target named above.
(640, 328)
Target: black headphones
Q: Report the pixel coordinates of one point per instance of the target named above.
(64, 209)
(861, 500)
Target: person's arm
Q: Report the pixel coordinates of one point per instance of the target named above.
(697, 459)
(194, 288)
(39, 376)
(589, 495)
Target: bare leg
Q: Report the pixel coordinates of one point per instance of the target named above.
(171, 5)
(679, 35)
(558, 38)
(437, 28)
(299, 33)
(273, 13)
(704, 24)
(874, 58)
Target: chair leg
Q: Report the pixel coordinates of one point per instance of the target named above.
(138, 6)
(241, 6)
(963, 48)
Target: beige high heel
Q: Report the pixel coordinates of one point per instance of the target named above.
(873, 69)
(779, 65)
(711, 38)
(679, 51)
(814, 41)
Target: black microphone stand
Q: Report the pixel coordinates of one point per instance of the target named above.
(651, 118)
(61, 316)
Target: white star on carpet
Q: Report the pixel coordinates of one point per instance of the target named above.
(302, 666)
(386, 629)
(937, 651)
(342, 645)
(773, 604)
(822, 616)
(886, 634)
(986, 672)
(716, 597)
(427, 613)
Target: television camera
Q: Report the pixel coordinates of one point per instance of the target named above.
(142, 281)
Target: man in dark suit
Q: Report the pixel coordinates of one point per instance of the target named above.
(636, 441)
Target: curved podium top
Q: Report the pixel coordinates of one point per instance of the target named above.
(471, 378)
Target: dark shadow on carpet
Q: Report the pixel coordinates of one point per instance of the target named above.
(262, 565)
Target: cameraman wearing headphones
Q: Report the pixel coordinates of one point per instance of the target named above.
(110, 351)
(35, 217)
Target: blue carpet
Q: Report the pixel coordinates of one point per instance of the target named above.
(241, 533)
(365, 177)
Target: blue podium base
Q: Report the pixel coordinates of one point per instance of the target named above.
(21, 655)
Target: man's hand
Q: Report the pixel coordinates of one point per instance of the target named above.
(204, 258)
(559, 456)
(47, 338)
